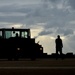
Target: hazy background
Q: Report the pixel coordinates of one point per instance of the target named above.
(45, 18)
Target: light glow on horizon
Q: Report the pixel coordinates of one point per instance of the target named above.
(62, 37)
(17, 25)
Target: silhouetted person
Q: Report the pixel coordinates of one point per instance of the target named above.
(59, 46)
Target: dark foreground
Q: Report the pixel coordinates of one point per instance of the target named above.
(37, 72)
(38, 67)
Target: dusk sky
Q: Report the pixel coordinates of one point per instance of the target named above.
(45, 18)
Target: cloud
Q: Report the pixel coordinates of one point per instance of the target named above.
(45, 33)
(45, 17)
(72, 3)
(53, 0)
(32, 13)
(65, 31)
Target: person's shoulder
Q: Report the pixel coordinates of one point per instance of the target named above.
(60, 39)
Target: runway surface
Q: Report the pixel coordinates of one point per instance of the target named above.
(38, 67)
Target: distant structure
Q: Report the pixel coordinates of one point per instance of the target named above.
(67, 55)
(17, 43)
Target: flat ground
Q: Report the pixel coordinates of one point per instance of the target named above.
(38, 67)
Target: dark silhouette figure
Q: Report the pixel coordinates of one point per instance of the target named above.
(59, 46)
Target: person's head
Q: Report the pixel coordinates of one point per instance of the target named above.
(58, 36)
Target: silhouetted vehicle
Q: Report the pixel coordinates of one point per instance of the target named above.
(17, 43)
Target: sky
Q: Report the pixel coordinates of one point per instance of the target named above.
(45, 18)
